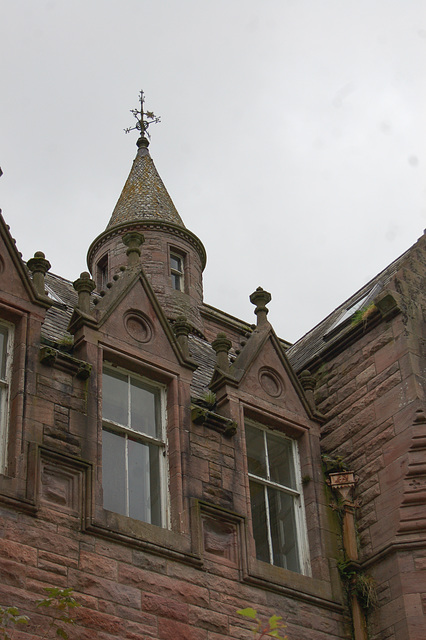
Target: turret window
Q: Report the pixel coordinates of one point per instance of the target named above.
(177, 271)
(102, 273)
(275, 495)
(133, 447)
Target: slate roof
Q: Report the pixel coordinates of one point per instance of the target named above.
(58, 316)
(144, 196)
(313, 343)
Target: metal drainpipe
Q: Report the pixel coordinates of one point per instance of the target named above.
(344, 484)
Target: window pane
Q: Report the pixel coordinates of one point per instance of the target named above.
(115, 397)
(255, 451)
(281, 464)
(144, 482)
(176, 281)
(258, 514)
(176, 263)
(144, 405)
(113, 472)
(3, 352)
(155, 454)
(283, 530)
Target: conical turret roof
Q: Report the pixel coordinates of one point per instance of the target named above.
(144, 196)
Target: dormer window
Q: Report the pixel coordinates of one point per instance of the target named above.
(133, 447)
(276, 498)
(177, 271)
(102, 273)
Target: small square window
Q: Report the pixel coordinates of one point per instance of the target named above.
(177, 271)
(275, 495)
(133, 447)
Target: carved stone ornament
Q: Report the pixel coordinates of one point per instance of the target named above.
(271, 382)
(343, 482)
(138, 326)
(212, 420)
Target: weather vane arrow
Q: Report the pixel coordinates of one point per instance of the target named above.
(143, 118)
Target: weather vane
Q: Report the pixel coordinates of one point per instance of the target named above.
(143, 118)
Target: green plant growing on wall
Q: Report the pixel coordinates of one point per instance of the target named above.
(209, 399)
(60, 601)
(272, 628)
(358, 583)
(333, 464)
(66, 343)
(9, 619)
(362, 315)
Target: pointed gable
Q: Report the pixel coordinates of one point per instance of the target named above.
(130, 317)
(264, 373)
(15, 281)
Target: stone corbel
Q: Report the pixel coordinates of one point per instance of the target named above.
(53, 358)
(203, 416)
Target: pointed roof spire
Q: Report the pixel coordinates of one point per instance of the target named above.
(144, 196)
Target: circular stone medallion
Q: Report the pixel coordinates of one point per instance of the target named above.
(271, 382)
(138, 327)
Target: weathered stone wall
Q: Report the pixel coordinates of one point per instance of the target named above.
(373, 396)
(132, 579)
(126, 593)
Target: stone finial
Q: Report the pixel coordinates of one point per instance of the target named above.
(181, 329)
(39, 266)
(308, 383)
(84, 287)
(260, 298)
(133, 241)
(222, 345)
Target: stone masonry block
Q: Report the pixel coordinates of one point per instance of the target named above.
(179, 631)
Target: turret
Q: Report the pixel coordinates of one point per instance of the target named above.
(172, 257)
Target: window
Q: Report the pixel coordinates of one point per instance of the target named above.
(53, 296)
(275, 498)
(347, 314)
(6, 341)
(176, 270)
(102, 273)
(133, 447)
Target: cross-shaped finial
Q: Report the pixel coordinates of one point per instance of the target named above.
(143, 118)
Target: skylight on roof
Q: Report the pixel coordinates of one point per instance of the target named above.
(347, 314)
(352, 309)
(52, 295)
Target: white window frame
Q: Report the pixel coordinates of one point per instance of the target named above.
(297, 495)
(176, 273)
(126, 431)
(5, 396)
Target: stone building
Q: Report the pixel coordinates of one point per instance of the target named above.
(172, 464)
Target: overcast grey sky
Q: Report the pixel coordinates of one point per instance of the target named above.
(292, 138)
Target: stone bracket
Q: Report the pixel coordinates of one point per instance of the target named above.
(53, 358)
(212, 420)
